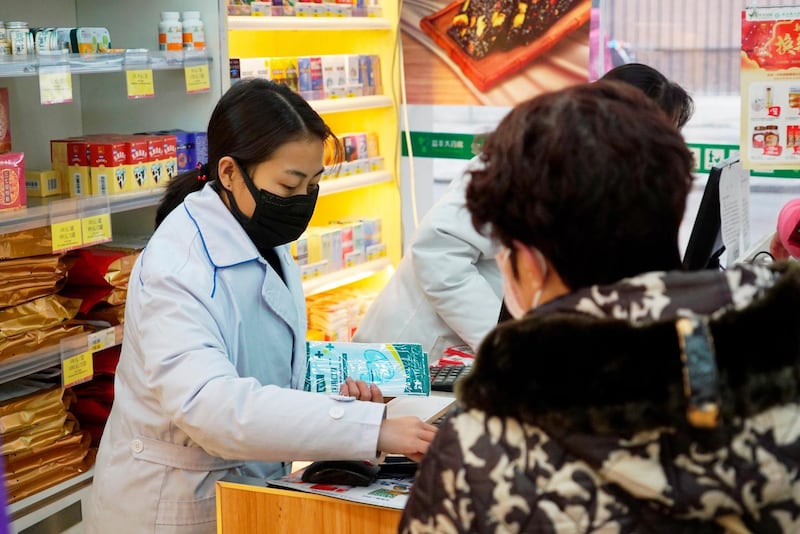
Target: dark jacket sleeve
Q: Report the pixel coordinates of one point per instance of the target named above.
(432, 505)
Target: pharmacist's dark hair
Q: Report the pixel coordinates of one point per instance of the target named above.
(669, 96)
(252, 120)
(595, 176)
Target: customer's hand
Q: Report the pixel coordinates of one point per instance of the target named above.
(407, 435)
(361, 390)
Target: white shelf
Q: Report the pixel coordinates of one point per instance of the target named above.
(22, 365)
(308, 23)
(38, 216)
(351, 103)
(356, 181)
(329, 281)
(16, 66)
(43, 504)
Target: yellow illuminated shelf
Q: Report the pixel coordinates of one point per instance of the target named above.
(343, 277)
(308, 23)
(356, 181)
(352, 103)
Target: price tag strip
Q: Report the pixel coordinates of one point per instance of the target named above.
(102, 340)
(77, 369)
(77, 359)
(55, 85)
(140, 83)
(67, 235)
(79, 223)
(96, 229)
(197, 78)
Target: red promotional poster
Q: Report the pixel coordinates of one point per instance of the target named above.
(770, 88)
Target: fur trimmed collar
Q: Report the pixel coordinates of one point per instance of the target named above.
(606, 359)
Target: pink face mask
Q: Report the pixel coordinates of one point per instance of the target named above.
(515, 307)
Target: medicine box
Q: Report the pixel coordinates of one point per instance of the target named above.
(42, 183)
(12, 181)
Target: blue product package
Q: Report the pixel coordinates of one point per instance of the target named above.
(201, 147)
(304, 77)
(184, 150)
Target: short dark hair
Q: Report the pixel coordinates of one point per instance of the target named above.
(669, 96)
(595, 176)
(253, 119)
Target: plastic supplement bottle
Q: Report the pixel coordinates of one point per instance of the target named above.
(170, 32)
(193, 31)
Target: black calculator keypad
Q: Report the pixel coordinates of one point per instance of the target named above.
(444, 377)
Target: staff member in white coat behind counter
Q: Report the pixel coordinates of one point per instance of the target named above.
(214, 352)
(447, 288)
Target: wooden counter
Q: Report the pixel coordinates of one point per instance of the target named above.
(252, 509)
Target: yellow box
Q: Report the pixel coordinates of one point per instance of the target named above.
(43, 183)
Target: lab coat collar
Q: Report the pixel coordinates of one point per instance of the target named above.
(227, 244)
(223, 237)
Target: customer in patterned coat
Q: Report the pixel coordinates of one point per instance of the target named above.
(622, 398)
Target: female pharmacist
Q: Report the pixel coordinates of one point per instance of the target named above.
(447, 289)
(213, 359)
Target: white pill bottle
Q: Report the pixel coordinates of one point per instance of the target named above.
(170, 32)
(194, 37)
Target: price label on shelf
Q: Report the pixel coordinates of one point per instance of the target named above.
(66, 235)
(96, 229)
(197, 79)
(140, 83)
(55, 85)
(102, 340)
(77, 369)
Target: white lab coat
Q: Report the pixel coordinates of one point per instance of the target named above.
(214, 340)
(447, 289)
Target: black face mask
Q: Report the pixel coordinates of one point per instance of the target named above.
(276, 220)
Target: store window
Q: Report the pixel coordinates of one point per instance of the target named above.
(696, 44)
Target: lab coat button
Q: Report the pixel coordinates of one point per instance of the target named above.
(137, 446)
(336, 412)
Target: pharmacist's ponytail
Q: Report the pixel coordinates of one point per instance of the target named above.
(179, 187)
(252, 120)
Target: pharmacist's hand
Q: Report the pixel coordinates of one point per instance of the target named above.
(361, 390)
(407, 435)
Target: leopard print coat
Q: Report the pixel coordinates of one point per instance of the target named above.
(573, 418)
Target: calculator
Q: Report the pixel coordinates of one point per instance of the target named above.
(444, 376)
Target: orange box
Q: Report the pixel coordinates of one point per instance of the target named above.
(5, 122)
(12, 181)
(170, 156)
(136, 162)
(107, 167)
(78, 182)
(59, 158)
(155, 153)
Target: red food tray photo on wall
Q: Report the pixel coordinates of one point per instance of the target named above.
(485, 72)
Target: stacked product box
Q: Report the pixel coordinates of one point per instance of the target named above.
(107, 164)
(360, 155)
(305, 8)
(342, 243)
(12, 181)
(41, 184)
(192, 148)
(315, 77)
